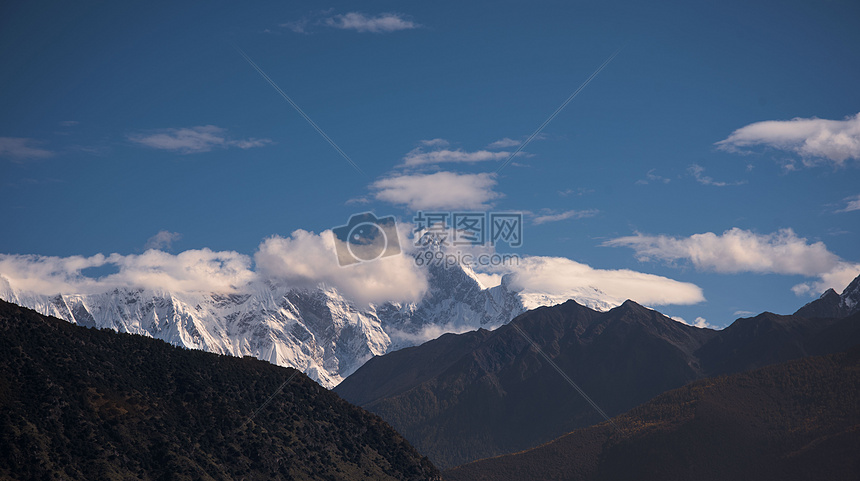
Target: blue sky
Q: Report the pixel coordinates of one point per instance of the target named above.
(681, 158)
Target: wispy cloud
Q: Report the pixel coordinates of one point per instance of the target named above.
(301, 260)
(380, 23)
(700, 322)
(815, 140)
(435, 143)
(297, 26)
(190, 271)
(441, 190)
(193, 140)
(419, 156)
(162, 240)
(307, 260)
(503, 143)
(29, 181)
(652, 177)
(559, 277)
(852, 203)
(739, 250)
(571, 214)
(21, 148)
(578, 192)
(698, 173)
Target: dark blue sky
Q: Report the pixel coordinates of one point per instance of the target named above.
(120, 120)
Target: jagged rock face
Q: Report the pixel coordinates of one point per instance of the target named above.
(315, 330)
(833, 305)
(318, 331)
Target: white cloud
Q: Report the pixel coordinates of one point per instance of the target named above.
(571, 214)
(552, 280)
(192, 270)
(697, 171)
(699, 322)
(429, 332)
(743, 313)
(441, 190)
(382, 23)
(297, 26)
(306, 259)
(435, 143)
(852, 203)
(357, 201)
(837, 278)
(19, 148)
(193, 140)
(249, 143)
(303, 260)
(162, 240)
(815, 140)
(48, 275)
(488, 280)
(736, 250)
(739, 250)
(652, 177)
(559, 276)
(579, 192)
(504, 143)
(419, 156)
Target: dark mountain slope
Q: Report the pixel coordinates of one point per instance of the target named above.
(833, 305)
(750, 343)
(432, 359)
(78, 403)
(465, 397)
(496, 394)
(794, 421)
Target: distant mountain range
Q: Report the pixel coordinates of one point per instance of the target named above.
(318, 331)
(81, 403)
(798, 420)
(485, 393)
(86, 404)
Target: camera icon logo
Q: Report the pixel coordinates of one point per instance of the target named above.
(366, 238)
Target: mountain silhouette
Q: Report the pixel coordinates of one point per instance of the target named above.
(485, 393)
(798, 420)
(83, 404)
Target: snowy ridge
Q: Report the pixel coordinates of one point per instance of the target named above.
(834, 305)
(850, 297)
(591, 297)
(317, 331)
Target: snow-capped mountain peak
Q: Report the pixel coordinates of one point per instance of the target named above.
(318, 331)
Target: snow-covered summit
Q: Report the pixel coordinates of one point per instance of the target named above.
(318, 330)
(834, 305)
